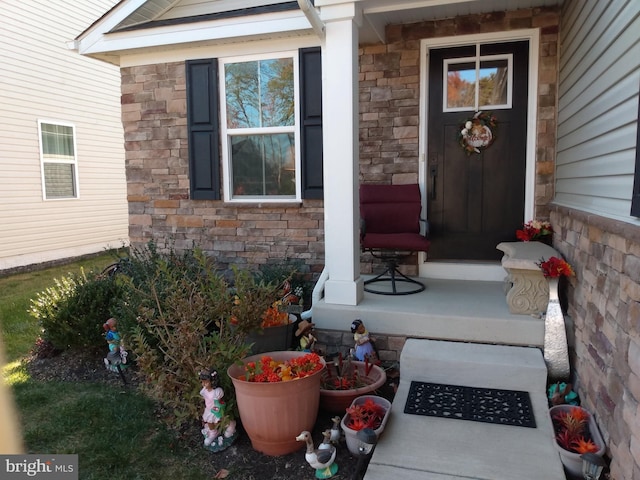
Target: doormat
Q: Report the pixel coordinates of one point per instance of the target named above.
(488, 405)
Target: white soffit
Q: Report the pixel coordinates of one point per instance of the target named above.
(380, 13)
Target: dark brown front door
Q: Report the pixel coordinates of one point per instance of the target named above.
(476, 201)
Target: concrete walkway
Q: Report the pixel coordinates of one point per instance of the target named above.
(416, 447)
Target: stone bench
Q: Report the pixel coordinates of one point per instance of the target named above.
(528, 289)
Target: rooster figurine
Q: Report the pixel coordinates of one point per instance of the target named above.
(320, 459)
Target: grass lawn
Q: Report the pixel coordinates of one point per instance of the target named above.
(114, 431)
(17, 328)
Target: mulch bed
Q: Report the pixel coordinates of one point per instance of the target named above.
(240, 461)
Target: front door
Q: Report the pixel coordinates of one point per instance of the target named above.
(476, 200)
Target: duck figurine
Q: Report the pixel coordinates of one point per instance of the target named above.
(336, 433)
(322, 459)
(326, 440)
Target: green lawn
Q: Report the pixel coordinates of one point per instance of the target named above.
(115, 433)
(17, 328)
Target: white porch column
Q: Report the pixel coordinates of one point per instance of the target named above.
(340, 138)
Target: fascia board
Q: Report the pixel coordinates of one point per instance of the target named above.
(175, 35)
(109, 21)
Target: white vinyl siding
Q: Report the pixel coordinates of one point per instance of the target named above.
(598, 106)
(43, 80)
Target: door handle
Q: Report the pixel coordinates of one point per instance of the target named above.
(433, 173)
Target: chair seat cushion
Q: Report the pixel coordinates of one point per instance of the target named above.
(396, 241)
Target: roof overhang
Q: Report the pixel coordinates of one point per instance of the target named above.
(144, 26)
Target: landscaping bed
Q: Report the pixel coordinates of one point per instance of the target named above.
(240, 461)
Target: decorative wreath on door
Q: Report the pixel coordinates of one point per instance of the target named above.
(478, 132)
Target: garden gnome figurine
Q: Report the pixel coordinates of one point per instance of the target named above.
(307, 339)
(219, 427)
(364, 348)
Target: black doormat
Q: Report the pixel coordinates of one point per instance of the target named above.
(489, 405)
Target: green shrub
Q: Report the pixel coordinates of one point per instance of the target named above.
(181, 308)
(72, 311)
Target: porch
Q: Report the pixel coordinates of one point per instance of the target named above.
(457, 310)
(457, 332)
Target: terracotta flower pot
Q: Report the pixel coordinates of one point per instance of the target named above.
(336, 401)
(571, 460)
(273, 414)
(350, 434)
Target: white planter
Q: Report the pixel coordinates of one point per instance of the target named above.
(572, 461)
(350, 435)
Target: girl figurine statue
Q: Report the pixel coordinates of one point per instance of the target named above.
(117, 354)
(219, 428)
(364, 347)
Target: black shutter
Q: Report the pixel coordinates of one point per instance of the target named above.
(311, 117)
(203, 129)
(635, 198)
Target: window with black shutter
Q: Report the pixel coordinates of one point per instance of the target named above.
(268, 142)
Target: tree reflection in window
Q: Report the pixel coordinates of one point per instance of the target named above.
(477, 85)
(260, 107)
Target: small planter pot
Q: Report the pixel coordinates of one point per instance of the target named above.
(337, 401)
(571, 460)
(271, 339)
(350, 435)
(273, 414)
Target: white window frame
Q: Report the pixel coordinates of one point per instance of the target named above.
(477, 59)
(226, 133)
(70, 161)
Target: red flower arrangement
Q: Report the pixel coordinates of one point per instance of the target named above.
(343, 375)
(270, 371)
(572, 432)
(534, 230)
(367, 415)
(555, 267)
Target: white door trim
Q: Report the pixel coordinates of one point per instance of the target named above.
(478, 270)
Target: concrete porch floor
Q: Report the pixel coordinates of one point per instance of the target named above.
(458, 310)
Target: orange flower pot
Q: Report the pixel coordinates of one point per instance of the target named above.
(273, 414)
(337, 401)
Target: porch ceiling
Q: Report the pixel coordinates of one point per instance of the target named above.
(380, 13)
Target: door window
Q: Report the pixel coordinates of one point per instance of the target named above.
(477, 83)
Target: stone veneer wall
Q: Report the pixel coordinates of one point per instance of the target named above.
(155, 125)
(604, 303)
(390, 99)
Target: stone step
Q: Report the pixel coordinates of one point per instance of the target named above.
(432, 448)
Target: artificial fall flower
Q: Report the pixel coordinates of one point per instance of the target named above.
(534, 230)
(571, 429)
(269, 370)
(366, 415)
(555, 267)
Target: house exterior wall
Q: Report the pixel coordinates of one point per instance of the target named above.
(390, 99)
(160, 210)
(598, 99)
(598, 107)
(43, 80)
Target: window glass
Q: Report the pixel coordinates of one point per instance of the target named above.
(58, 160)
(494, 78)
(261, 156)
(263, 165)
(476, 83)
(461, 85)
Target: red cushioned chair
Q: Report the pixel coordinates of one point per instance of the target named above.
(390, 230)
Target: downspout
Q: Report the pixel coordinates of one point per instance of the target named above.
(317, 294)
(313, 17)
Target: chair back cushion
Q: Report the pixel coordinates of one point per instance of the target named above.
(390, 208)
